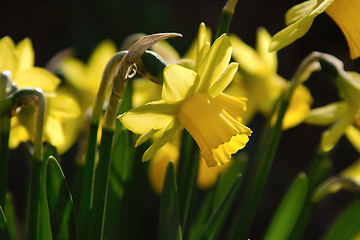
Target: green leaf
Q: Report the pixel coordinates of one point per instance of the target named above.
(169, 227)
(218, 216)
(289, 210)
(198, 226)
(10, 217)
(347, 225)
(4, 233)
(187, 172)
(60, 202)
(38, 225)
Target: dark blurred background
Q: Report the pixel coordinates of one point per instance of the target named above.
(54, 25)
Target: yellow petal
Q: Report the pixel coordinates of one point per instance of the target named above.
(353, 171)
(179, 83)
(299, 11)
(353, 134)
(145, 91)
(37, 78)
(165, 137)
(203, 36)
(74, 71)
(8, 60)
(298, 28)
(155, 115)
(158, 166)
(269, 59)
(223, 81)
(346, 15)
(146, 136)
(327, 114)
(216, 132)
(207, 177)
(298, 108)
(18, 133)
(99, 58)
(246, 56)
(235, 106)
(215, 62)
(53, 131)
(25, 54)
(64, 105)
(331, 136)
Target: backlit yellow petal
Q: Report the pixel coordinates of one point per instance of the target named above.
(179, 83)
(299, 11)
(158, 165)
(74, 71)
(353, 134)
(155, 115)
(269, 59)
(25, 54)
(246, 56)
(331, 136)
(53, 131)
(64, 105)
(165, 137)
(215, 62)
(8, 60)
(291, 33)
(99, 58)
(327, 114)
(37, 78)
(224, 80)
(18, 133)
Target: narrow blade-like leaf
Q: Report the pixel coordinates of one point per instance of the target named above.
(60, 202)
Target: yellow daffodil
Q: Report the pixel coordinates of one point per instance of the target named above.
(261, 83)
(300, 18)
(343, 115)
(193, 100)
(86, 77)
(19, 61)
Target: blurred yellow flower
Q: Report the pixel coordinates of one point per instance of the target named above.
(86, 77)
(189, 99)
(262, 85)
(19, 61)
(300, 17)
(343, 115)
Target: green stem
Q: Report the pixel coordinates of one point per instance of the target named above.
(87, 189)
(258, 172)
(188, 165)
(226, 17)
(4, 143)
(87, 183)
(101, 186)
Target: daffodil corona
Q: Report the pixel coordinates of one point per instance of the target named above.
(194, 100)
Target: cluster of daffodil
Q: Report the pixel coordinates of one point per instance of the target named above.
(149, 116)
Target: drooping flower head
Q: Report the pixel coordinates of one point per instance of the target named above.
(300, 18)
(343, 116)
(194, 100)
(19, 61)
(261, 83)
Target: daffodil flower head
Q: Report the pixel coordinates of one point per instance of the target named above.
(343, 115)
(18, 59)
(194, 100)
(86, 77)
(300, 18)
(262, 84)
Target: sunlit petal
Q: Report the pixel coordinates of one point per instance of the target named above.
(179, 83)
(37, 78)
(155, 115)
(25, 54)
